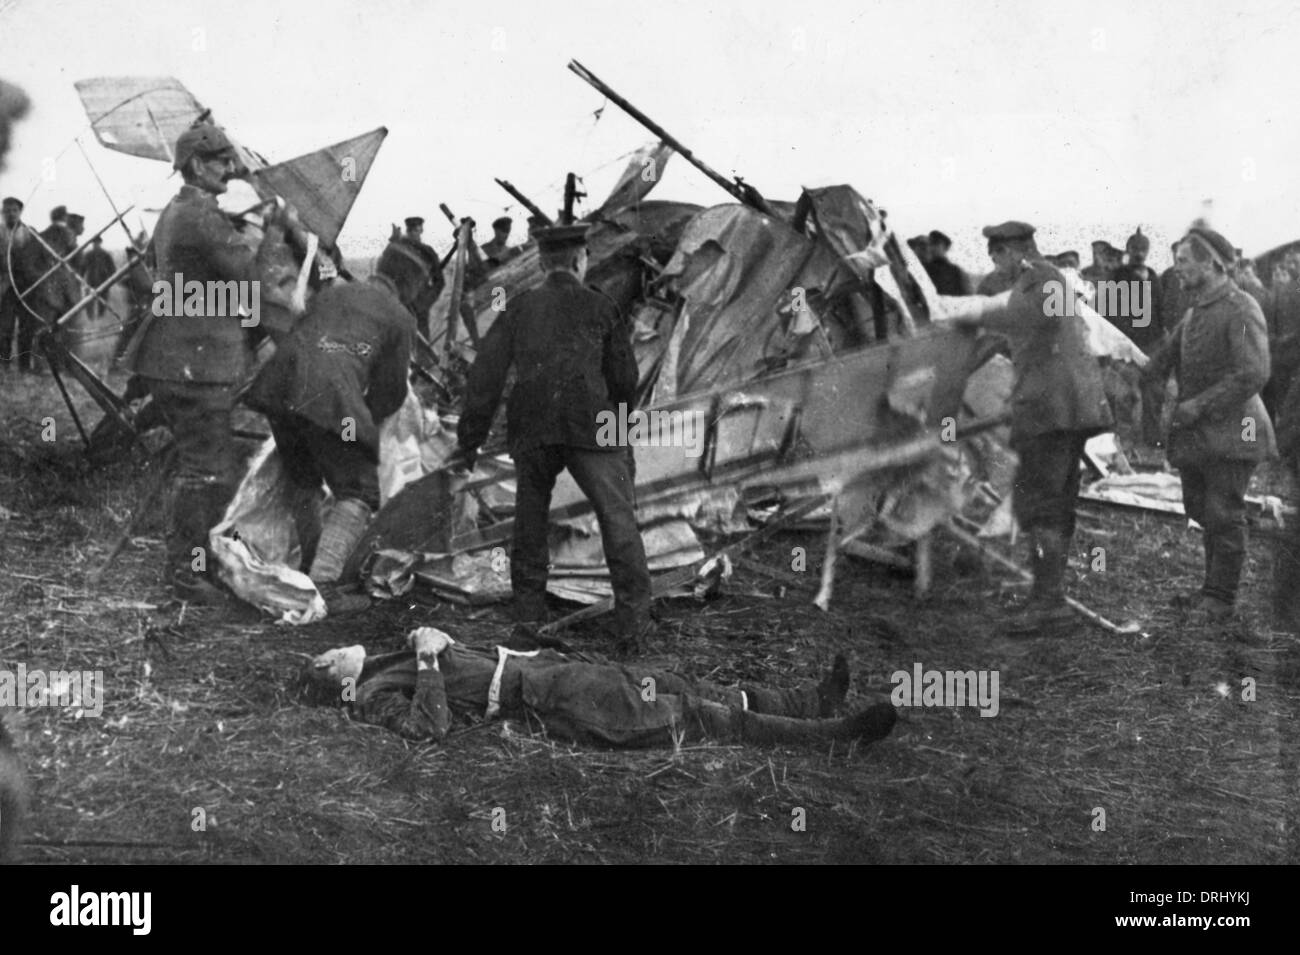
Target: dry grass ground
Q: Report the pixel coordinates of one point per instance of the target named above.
(199, 716)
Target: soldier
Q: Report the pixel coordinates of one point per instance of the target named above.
(1142, 290)
(572, 355)
(1098, 270)
(580, 698)
(948, 279)
(14, 236)
(414, 238)
(407, 256)
(57, 235)
(96, 267)
(499, 251)
(1220, 430)
(326, 392)
(192, 365)
(1057, 403)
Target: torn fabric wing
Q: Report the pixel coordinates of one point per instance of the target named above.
(323, 185)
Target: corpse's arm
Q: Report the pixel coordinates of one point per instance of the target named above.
(1248, 360)
(487, 380)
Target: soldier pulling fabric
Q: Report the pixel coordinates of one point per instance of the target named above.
(1057, 403)
(191, 364)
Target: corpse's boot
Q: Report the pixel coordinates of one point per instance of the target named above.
(808, 702)
(1046, 613)
(729, 724)
(340, 533)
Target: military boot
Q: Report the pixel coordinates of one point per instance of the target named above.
(1045, 613)
(196, 507)
(340, 533)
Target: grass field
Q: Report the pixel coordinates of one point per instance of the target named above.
(199, 715)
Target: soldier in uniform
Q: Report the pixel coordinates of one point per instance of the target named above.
(1220, 430)
(948, 278)
(1143, 326)
(499, 251)
(57, 235)
(192, 365)
(582, 698)
(572, 355)
(407, 256)
(97, 267)
(14, 319)
(1057, 404)
(326, 392)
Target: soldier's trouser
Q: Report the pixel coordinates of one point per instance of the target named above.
(16, 320)
(1286, 571)
(8, 321)
(203, 467)
(1214, 495)
(604, 477)
(312, 455)
(1046, 485)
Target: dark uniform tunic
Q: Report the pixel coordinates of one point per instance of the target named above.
(331, 383)
(1219, 355)
(14, 318)
(572, 355)
(1057, 402)
(948, 278)
(1144, 325)
(191, 365)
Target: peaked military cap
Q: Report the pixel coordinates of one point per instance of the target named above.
(561, 236)
(1009, 231)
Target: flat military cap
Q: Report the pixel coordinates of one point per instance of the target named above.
(413, 222)
(938, 238)
(1009, 231)
(1221, 246)
(75, 218)
(1111, 250)
(505, 222)
(561, 236)
(201, 140)
(58, 213)
(12, 201)
(1099, 244)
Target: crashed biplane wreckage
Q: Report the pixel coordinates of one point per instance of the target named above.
(762, 379)
(790, 360)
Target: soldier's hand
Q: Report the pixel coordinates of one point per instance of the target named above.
(462, 460)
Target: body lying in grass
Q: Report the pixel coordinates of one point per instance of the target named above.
(581, 699)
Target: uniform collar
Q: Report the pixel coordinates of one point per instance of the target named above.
(563, 277)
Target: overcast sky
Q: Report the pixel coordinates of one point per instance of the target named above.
(1078, 117)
